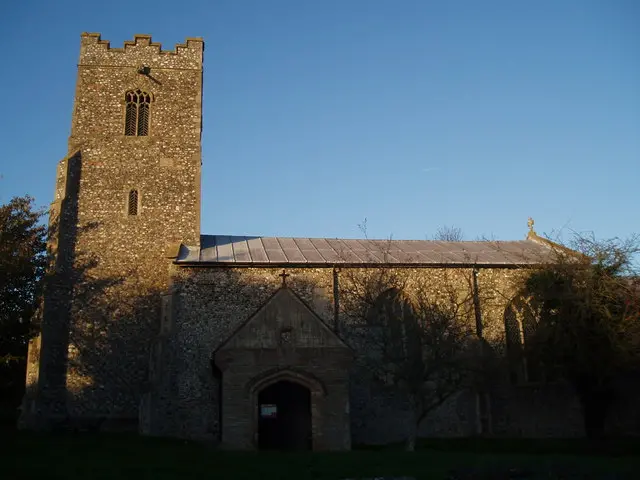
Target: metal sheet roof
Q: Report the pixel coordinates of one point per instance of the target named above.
(243, 250)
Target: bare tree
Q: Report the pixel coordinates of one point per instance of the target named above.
(363, 228)
(417, 345)
(449, 234)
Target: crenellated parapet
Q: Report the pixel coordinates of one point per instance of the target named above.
(95, 51)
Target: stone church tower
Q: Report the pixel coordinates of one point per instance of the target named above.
(126, 194)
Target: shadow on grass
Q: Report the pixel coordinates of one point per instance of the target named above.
(68, 456)
(618, 446)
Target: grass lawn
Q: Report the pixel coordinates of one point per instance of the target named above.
(86, 456)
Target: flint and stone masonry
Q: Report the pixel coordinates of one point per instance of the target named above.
(148, 325)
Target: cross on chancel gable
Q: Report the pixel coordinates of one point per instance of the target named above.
(284, 276)
(530, 224)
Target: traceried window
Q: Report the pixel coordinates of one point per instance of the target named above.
(132, 203)
(389, 308)
(137, 114)
(520, 321)
(391, 322)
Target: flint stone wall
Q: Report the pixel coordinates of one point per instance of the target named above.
(210, 304)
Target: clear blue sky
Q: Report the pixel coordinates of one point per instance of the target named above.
(319, 113)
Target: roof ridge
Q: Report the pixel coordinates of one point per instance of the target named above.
(526, 240)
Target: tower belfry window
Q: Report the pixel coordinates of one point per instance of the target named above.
(132, 205)
(137, 114)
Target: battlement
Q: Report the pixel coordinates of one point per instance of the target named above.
(98, 52)
(142, 40)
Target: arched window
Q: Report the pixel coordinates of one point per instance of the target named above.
(390, 308)
(520, 322)
(137, 113)
(132, 202)
(393, 330)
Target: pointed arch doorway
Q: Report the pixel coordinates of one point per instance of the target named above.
(284, 416)
(285, 362)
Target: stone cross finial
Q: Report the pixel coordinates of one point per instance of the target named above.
(284, 276)
(530, 223)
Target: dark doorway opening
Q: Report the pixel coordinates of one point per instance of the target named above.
(284, 417)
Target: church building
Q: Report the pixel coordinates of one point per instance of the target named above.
(149, 324)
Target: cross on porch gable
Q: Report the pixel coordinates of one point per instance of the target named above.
(284, 276)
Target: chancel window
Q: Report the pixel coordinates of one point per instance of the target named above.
(137, 113)
(132, 202)
(520, 321)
